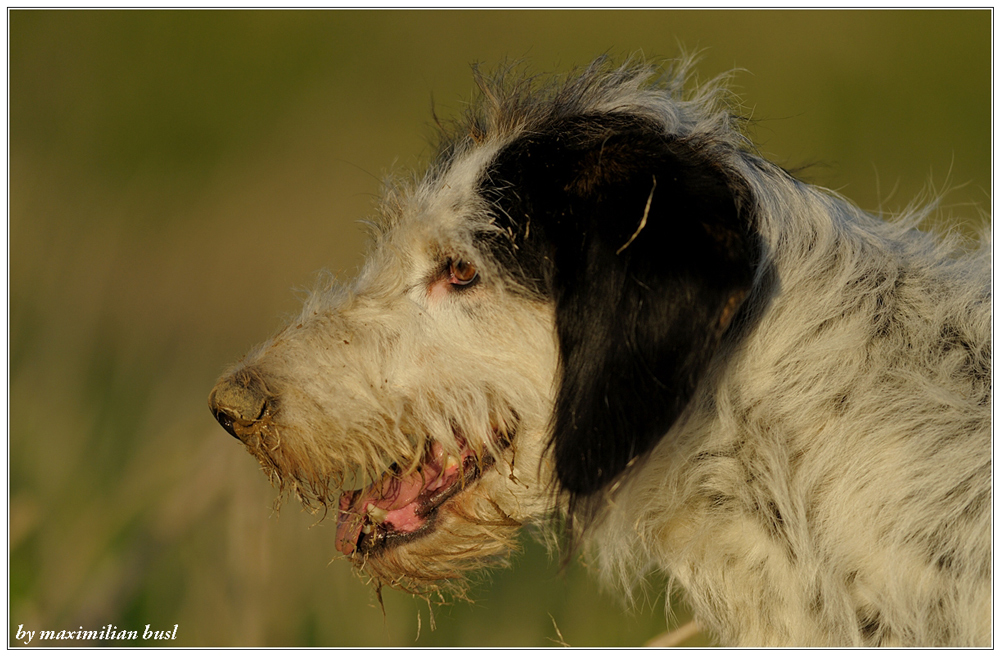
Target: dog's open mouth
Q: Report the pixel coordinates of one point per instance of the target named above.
(401, 506)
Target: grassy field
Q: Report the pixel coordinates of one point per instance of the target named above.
(176, 176)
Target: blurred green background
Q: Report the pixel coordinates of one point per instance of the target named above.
(175, 176)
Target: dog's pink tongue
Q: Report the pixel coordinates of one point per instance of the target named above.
(391, 501)
(348, 525)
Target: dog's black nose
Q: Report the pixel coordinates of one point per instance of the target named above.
(238, 402)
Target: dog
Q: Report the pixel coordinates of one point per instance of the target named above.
(601, 311)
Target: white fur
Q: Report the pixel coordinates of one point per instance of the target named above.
(828, 484)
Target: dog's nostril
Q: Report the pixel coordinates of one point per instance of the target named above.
(237, 406)
(226, 421)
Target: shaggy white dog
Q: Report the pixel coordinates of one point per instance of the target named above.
(600, 309)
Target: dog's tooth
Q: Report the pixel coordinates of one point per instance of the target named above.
(377, 514)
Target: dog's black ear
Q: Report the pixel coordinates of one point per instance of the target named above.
(646, 250)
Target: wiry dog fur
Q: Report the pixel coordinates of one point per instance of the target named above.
(600, 308)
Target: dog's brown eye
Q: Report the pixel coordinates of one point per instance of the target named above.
(462, 272)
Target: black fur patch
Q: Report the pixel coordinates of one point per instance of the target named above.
(645, 247)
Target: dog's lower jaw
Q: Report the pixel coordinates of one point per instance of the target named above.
(468, 534)
(404, 506)
(472, 531)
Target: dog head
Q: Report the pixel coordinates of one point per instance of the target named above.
(535, 314)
